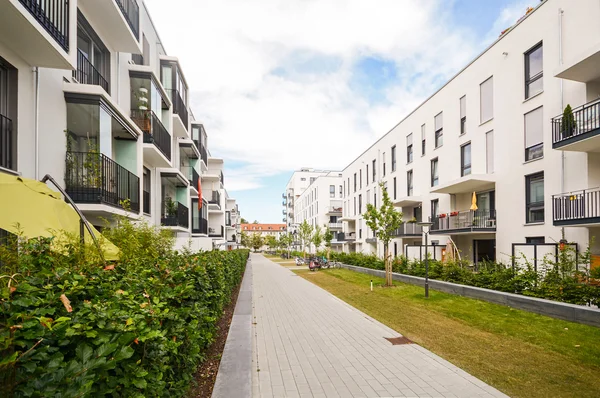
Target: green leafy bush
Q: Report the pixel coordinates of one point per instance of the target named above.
(70, 327)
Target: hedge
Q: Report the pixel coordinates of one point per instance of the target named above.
(140, 328)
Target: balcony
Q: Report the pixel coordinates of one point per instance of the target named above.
(284, 204)
(347, 236)
(191, 174)
(154, 131)
(118, 21)
(408, 201)
(582, 67)
(579, 208)
(467, 184)
(283, 196)
(200, 226)
(147, 201)
(214, 233)
(583, 135)
(38, 31)
(7, 150)
(215, 199)
(86, 73)
(93, 178)
(335, 225)
(174, 214)
(334, 208)
(460, 222)
(371, 240)
(180, 109)
(408, 229)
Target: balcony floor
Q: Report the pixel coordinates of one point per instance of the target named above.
(586, 142)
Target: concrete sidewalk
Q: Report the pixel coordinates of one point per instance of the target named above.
(308, 343)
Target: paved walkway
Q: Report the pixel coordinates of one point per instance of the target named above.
(308, 343)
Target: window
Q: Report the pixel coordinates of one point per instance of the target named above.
(486, 96)
(368, 196)
(367, 174)
(332, 191)
(422, 140)
(434, 172)
(534, 134)
(383, 165)
(395, 192)
(535, 240)
(374, 166)
(93, 60)
(344, 189)
(435, 208)
(409, 183)
(463, 115)
(465, 160)
(393, 158)
(354, 182)
(409, 149)
(439, 129)
(417, 213)
(489, 151)
(360, 179)
(355, 205)
(8, 114)
(147, 191)
(341, 192)
(360, 233)
(359, 204)
(534, 71)
(375, 200)
(534, 198)
(312, 179)
(303, 179)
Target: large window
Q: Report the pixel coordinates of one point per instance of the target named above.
(409, 148)
(434, 172)
(534, 198)
(367, 174)
(8, 115)
(359, 204)
(534, 71)
(534, 134)
(409, 183)
(354, 182)
(463, 115)
(435, 208)
(393, 158)
(374, 168)
(489, 151)
(332, 191)
(423, 142)
(395, 192)
(486, 97)
(383, 165)
(465, 159)
(439, 129)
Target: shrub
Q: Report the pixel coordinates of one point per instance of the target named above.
(71, 327)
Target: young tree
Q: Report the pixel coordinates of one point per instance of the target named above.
(285, 241)
(317, 238)
(256, 241)
(243, 221)
(305, 232)
(270, 241)
(245, 240)
(383, 222)
(328, 237)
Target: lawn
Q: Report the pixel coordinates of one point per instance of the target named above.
(520, 353)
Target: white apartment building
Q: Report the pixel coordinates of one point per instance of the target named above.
(298, 183)
(495, 129)
(89, 96)
(320, 205)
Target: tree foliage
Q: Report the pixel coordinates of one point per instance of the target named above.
(256, 241)
(327, 238)
(271, 242)
(317, 238)
(383, 221)
(245, 240)
(305, 232)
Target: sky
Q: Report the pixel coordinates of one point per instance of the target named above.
(285, 84)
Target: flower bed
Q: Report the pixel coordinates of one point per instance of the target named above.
(70, 327)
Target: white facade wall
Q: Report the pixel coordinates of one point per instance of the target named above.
(298, 183)
(504, 61)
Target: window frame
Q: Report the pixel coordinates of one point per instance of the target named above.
(423, 139)
(439, 133)
(409, 183)
(374, 170)
(393, 155)
(395, 190)
(481, 120)
(528, 204)
(332, 192)
(435, 180)
(434, 208)
(464, 167)
(463, 115)
(531, 149)
(409, 148)
(532, 79)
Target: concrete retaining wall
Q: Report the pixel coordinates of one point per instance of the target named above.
(554, 309)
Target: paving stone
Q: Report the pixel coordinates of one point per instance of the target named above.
(311, 344)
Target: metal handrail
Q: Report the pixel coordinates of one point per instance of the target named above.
(54, 16)
(586, 118)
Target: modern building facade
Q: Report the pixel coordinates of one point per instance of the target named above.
(494, 135)
(89, 96)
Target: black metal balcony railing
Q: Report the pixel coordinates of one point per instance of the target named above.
(147, 201)
(174, 214)
(576, 207)
(283, 196)
(53, 15)
(202, 149)
(464, 221)
(203, 226)
(215, 198)
(408, 229)
(7, 155)
(191, 174)
(347, 237)
(154, 131)
(179, 107)
(86, 73)
(214, 233)
(131, 12)
(284, 204)
(228, 219)
(92, 177)
(371, 240)
(586, 120)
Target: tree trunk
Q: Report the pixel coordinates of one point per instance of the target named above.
(328, 250)
(388, 266)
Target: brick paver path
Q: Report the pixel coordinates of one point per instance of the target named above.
(308, 343)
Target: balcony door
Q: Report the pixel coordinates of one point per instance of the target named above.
(486, 202)
(8, 112)
(93, 65)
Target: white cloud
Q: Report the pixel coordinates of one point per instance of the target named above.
(277, 122)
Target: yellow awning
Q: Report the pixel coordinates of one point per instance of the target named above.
(30, 208)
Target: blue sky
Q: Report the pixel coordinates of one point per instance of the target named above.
(294, 83)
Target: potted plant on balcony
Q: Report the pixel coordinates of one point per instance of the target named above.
(454, 214)
(568, 122)
(412, 220)
(170, 207)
